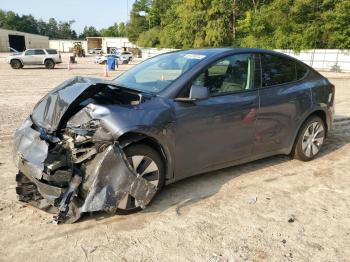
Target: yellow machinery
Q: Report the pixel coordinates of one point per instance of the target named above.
(78, 49)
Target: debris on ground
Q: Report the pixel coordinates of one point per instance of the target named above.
(291, 219)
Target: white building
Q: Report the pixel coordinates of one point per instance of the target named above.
(108, 43)
(21, 41)
(66, 46)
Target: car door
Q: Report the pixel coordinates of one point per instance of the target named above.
(39, 56)
(216, 131)
(29, 57)
(284, 101)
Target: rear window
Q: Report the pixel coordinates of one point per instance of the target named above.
(301, 70)
(39, 52)
(277, 70)
(51, 51)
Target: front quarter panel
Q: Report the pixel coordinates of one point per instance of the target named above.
(153, 118)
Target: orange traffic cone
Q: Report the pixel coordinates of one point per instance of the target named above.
(69, 66)
(105, 72)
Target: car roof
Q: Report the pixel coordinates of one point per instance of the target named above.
(34, 49)
(220, 50)
(217, 52)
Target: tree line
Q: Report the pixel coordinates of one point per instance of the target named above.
(273, 24)
(55, 29)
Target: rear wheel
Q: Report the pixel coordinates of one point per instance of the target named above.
(310, 139)
(49, 64)
(16, 64)
(149, 164)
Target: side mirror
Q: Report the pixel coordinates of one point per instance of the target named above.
(198, 92)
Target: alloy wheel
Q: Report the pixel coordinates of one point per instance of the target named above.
(313, 139)
(148, 169)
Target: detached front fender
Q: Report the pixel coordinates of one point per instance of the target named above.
(109, 178)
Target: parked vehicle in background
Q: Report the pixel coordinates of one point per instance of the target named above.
(102, 59)
(96, 51)
(47, 57)
(126, 55)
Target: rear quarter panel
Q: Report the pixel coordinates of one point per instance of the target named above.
(323, 93)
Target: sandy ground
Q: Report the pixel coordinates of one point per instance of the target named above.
(274, 209)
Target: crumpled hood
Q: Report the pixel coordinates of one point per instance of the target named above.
(49, 111)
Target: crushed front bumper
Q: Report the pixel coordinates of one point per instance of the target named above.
(99, 184)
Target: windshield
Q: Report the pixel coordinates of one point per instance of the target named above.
(157, 73)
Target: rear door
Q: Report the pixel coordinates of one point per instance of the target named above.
(284, 101)
(39, 56)
(213, 132)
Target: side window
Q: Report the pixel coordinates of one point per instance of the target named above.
(230, 74)
(277, 70)
(30, 52)
(51, 51)
(301, 70)
(39, 52)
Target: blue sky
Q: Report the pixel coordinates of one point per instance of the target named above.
(100, 14)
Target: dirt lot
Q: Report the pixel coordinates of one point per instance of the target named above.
(274, 209)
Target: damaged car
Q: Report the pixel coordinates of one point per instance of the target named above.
(97, 145)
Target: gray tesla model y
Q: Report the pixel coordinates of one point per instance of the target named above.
(92, 145)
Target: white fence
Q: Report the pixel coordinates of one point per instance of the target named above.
(337, 60)
(149, 52)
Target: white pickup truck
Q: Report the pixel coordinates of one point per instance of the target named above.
(47, 57)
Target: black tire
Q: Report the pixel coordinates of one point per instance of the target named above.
(306, 144)
(144, 150)
(16, 64)
(49, 64)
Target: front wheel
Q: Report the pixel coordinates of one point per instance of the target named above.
(16, 64)
(149, 164)
(310, 139)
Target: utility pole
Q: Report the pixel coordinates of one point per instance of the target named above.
(127, 10)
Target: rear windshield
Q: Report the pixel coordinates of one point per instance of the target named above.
(51, 51)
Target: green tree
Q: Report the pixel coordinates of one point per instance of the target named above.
(89, 31)
(149, 38)
(122, 29)
(65, 31)
(112, 31)
(52, 28)
(337, 28)
(139, 19)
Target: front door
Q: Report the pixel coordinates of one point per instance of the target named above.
(216, 131)
(29, 57)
